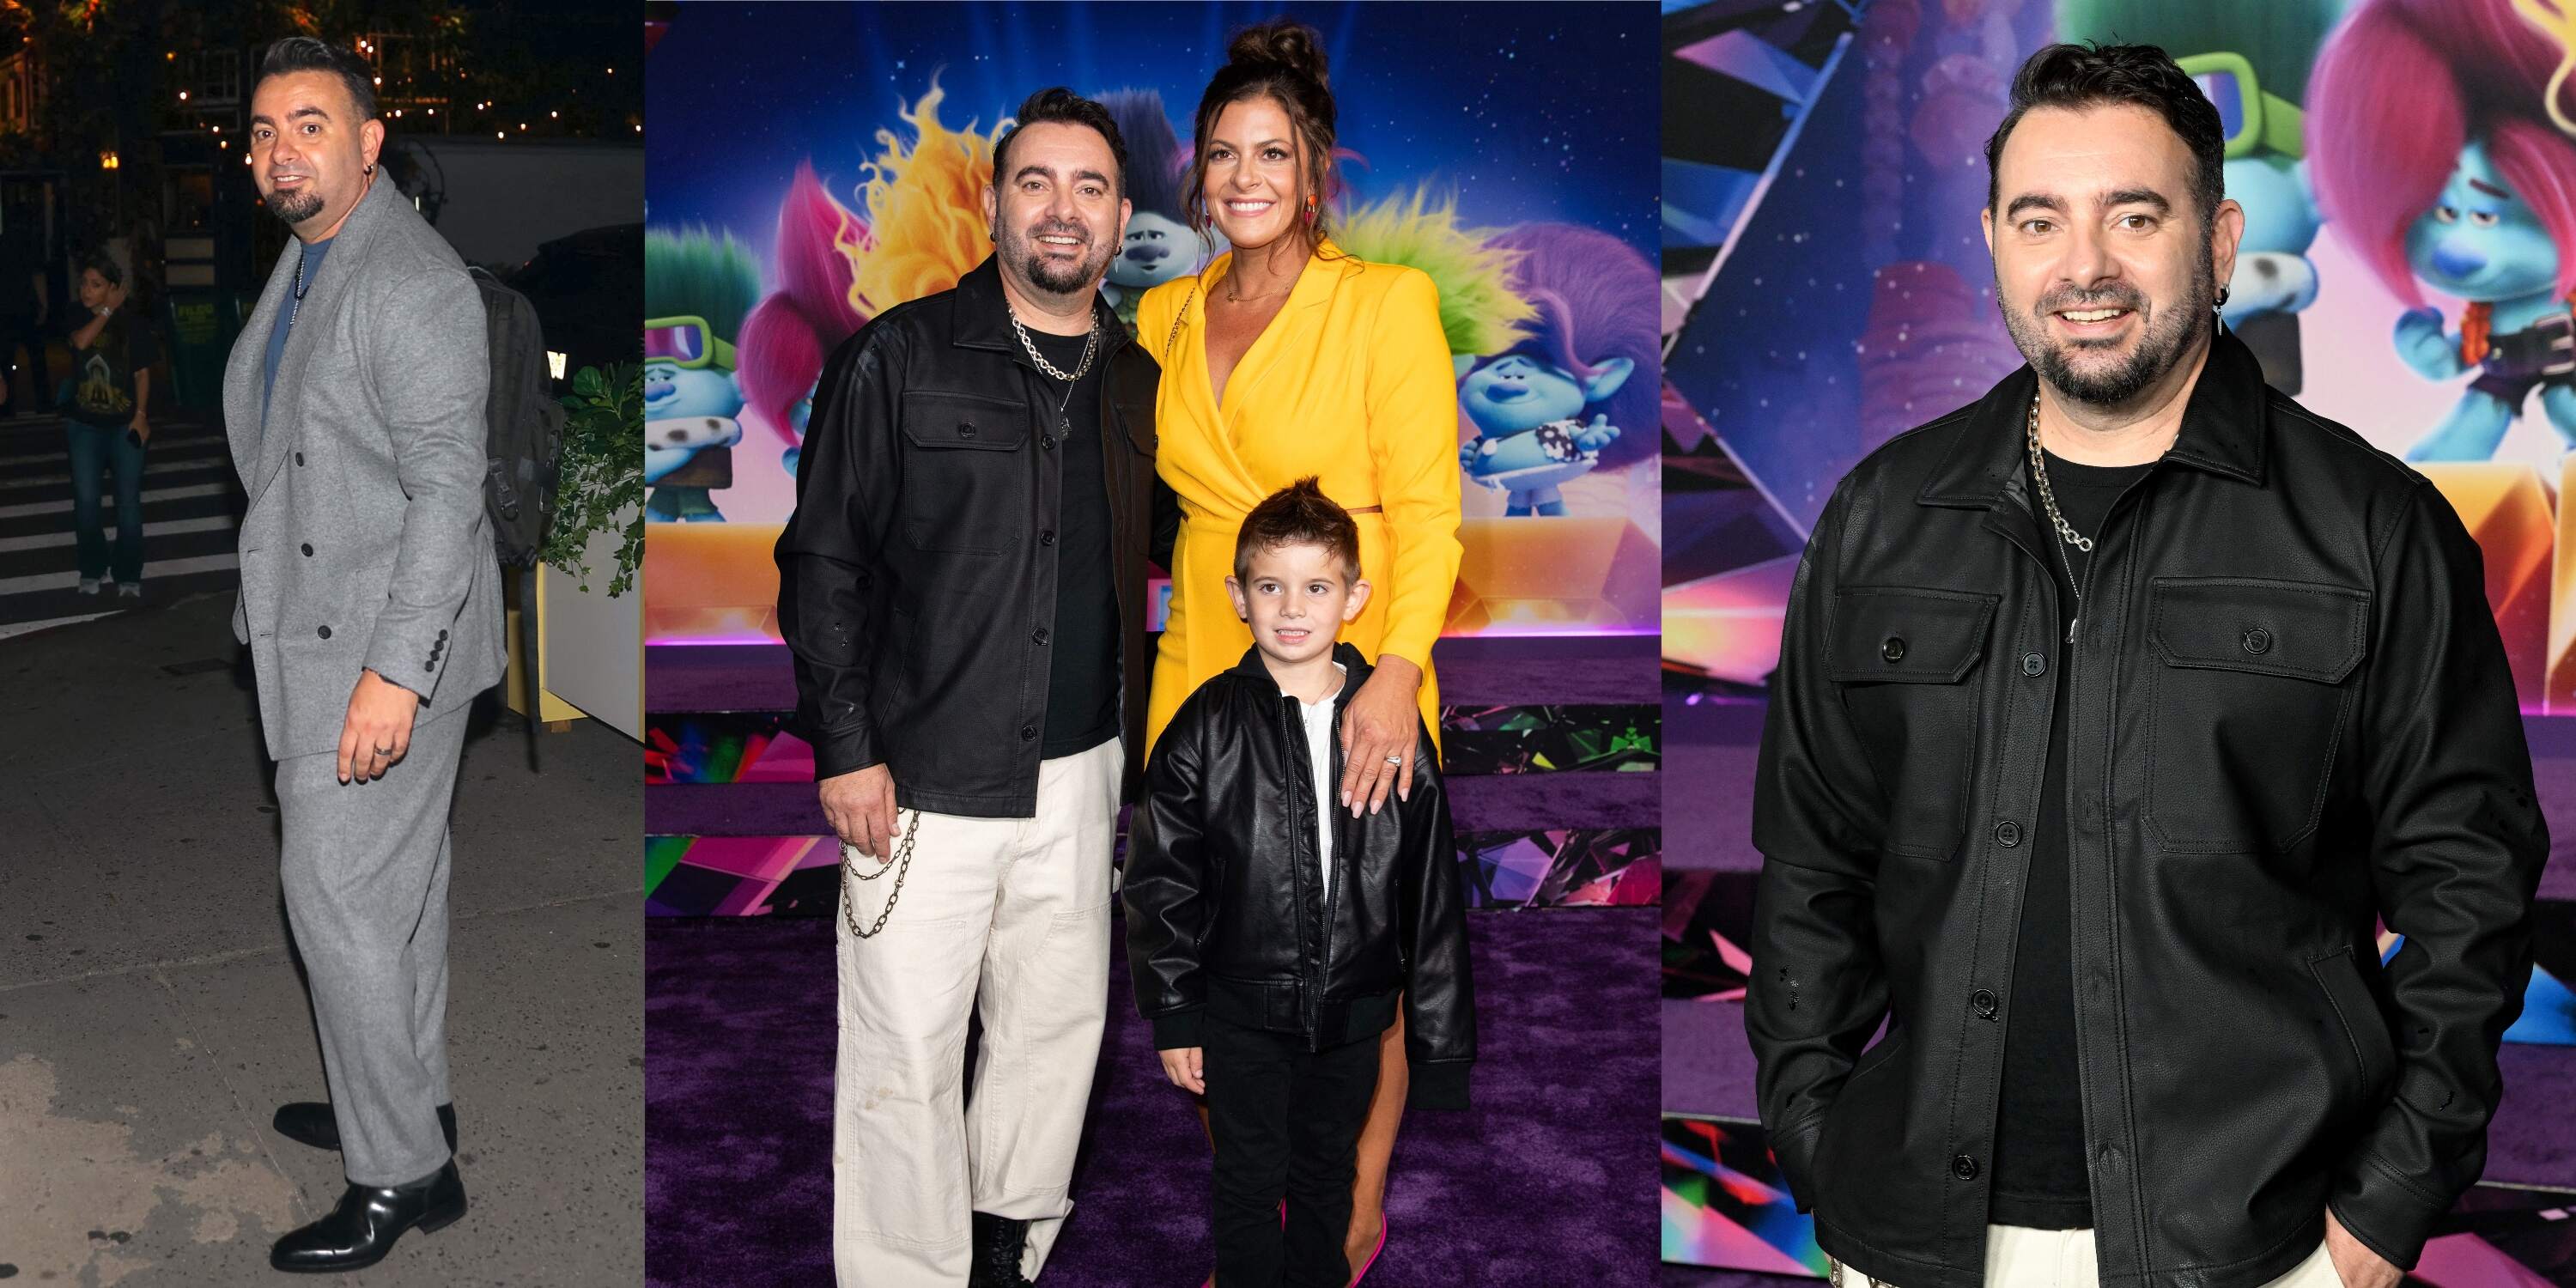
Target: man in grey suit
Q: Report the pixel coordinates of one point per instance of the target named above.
(370, 599)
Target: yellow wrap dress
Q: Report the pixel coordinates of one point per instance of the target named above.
(1351, 382)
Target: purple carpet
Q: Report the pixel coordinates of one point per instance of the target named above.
(1548, 1181)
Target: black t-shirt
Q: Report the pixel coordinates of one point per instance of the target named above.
(2040, 1178)
(103, 373)
(1082, 646)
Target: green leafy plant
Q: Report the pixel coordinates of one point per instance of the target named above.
(602, 484)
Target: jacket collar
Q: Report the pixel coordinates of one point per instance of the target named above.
(1357, 666)
(982, 317)
(2225, 427)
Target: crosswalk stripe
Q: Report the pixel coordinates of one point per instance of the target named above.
(149, 468)
(8, 629)
(150, 495)
(160, 568)
(159, 448)
(167, 527)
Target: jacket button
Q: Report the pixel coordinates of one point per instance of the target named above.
(308, 549)
(1028, 733)
(2258, 641)
(1964, 1167)
(1047, 538)
(1893, 648)
(1040, 636)
(429, 666)
(1047, 441)
(1984, 1000)
(2009, 833)
(442, 635)
(323, 631)
(2033, 664)
(299, 458)
(966, 429)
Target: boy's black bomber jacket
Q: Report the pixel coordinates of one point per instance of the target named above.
(1225, 914)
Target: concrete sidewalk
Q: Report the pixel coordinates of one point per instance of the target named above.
(152, 1015)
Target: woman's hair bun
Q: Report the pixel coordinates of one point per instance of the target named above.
(1284, 42)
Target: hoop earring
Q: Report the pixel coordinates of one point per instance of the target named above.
(1310, 209)
(2221, 302)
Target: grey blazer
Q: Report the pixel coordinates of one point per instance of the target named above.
(365, 545)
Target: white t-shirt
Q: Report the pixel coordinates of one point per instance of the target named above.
(1319, 748)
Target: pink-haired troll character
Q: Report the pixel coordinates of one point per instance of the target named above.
(2432, 148)
(787, 336)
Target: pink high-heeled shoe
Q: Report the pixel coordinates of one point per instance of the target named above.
(1372, 1257)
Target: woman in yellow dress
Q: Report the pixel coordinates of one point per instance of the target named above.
(1286, 357)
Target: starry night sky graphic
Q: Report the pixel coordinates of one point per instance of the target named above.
(1526, 111)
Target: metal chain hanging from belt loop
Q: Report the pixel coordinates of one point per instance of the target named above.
(900, 860)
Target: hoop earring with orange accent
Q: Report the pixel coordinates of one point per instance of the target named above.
(1310, 209)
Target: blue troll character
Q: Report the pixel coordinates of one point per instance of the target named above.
(2448, 165)
(2255, 72)
(2265, 172)
(697, 286)
(1159, 245)
(1580, 383)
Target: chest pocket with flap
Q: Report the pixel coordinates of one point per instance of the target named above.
(1904, 659)
(2251, 690)
(966, 489)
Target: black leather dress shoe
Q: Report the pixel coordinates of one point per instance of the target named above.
(309, 1122)
(360, 1231)
(999, 1241)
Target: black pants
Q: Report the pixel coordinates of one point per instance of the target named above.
(1287, 1125)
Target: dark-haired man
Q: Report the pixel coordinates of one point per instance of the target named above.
(961, 584)
(370, 601)
(2111, 709)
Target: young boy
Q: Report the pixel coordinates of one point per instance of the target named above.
(1272, 935)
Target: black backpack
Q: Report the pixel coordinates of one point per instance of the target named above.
(523, 437)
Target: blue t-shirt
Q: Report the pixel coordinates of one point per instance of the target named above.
(313, 252)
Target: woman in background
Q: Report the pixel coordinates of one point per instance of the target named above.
(112, 354)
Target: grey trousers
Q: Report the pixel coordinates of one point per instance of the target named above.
(364, 866)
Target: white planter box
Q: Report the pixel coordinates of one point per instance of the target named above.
(594, 644)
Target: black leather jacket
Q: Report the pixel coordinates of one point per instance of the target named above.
(916, 578)
(1225, 915)
(2289, 710)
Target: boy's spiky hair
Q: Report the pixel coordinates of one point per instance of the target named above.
(1298, 515)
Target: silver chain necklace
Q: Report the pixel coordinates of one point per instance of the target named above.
(1090, 346)
(2039, 472)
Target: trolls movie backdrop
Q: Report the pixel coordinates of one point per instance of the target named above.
(815, 165)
